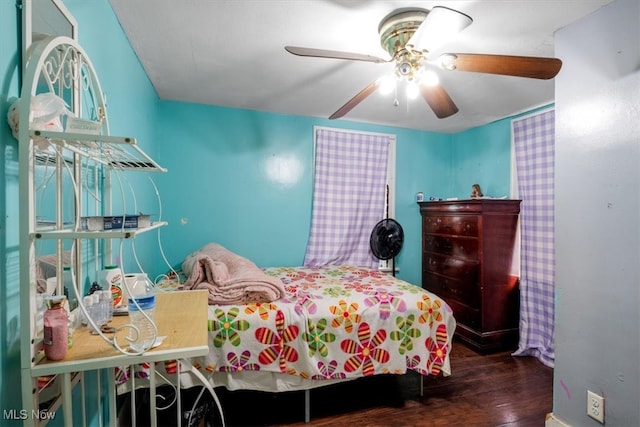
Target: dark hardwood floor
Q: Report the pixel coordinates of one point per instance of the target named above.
(483, 390)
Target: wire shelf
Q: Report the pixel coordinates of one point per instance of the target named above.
(117, 153)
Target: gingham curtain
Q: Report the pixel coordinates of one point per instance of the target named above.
(348, 197)
(534, 141)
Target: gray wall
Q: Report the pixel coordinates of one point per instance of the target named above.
(598, 216)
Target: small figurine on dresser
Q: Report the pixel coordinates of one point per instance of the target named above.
(476, 191)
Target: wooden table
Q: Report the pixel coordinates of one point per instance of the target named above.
(181, 316)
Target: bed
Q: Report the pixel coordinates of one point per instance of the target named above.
(331, 324)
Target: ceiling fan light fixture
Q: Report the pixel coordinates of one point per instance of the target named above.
(440, 25)
(447, 61)
(410, 35)
(387, 84)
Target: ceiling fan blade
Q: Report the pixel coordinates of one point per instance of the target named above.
(440, 25)
(334, 54)
(360, 96)
(439, 101)
(519, 66)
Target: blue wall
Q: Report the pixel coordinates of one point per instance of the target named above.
(241, 178)
(132, 111)
(482, 155)
(244, 179)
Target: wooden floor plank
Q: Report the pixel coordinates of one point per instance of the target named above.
(483, 390)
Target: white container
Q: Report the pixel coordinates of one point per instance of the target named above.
(52, 284)
(112, 279)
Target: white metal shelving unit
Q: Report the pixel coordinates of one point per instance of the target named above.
(58, 65)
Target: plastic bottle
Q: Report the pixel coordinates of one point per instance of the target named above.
(142, 301)
(87, 301)
(97, 315)
(140, 285)
(106, 302)
(56, 329)
(112, 279)
(67, 279)
(91, 311)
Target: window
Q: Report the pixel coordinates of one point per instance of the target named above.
(352, 171)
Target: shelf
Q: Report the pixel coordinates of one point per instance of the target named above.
(124, 233)
(63, 176)
(47, 159)
(181, 316)
(117, 153)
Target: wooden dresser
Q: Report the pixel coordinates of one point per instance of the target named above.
(467, 248)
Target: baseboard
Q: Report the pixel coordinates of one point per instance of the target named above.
(552, 421)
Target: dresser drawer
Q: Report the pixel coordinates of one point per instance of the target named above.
(456, 268)
(462, 225)
(466, 292)
(461, 247)
(465, 315)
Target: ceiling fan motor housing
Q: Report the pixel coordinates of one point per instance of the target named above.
(396, 29)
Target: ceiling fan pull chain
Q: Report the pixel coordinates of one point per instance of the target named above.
(395, 97)
(407, 98)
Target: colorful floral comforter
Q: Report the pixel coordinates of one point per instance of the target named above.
(334, 323)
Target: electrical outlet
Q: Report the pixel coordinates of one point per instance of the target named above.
(595, 406)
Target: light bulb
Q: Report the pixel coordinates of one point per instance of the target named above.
(447, 61)
(430, 78)
(412, 90)
(387, 84)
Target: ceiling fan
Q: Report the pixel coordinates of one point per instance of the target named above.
(410, 35)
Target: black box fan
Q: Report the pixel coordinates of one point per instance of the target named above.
(386, 240)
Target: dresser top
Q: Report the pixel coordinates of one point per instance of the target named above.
(472, 206)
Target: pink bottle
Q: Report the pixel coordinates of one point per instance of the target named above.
(56, 329)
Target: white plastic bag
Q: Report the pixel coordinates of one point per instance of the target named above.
(13, 118)
(46, 113)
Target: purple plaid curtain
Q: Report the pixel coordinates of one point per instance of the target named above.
(533, 139)
(348, 197)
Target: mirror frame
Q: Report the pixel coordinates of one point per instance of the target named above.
(33, 8)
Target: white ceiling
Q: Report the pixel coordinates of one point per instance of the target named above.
(231, 53)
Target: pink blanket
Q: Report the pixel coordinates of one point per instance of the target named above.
(229, 278)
